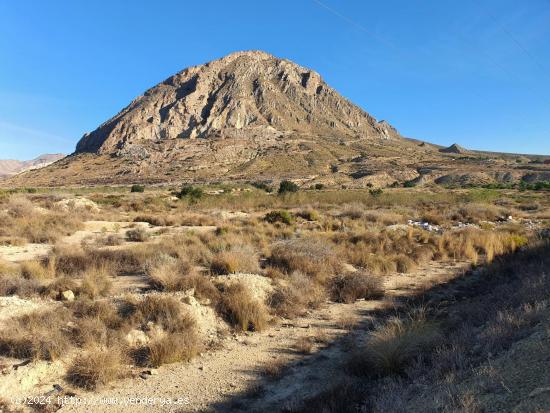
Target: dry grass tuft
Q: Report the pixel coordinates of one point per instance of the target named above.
(313, 257)
(96, 367)
(404, 264)
(170, 274)
(170, 348)
(39, 335)
(241, 258)
(347, 288)
(37, 270)
(166, 312)
(294, 294)
(395, 345)
(242, 310)
(304, 345)
(96, 282)
(137, 235)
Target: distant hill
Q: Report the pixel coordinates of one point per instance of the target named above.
(454, 148)
(11, 167)
(251, 116)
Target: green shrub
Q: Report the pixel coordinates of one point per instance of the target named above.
(287, 186)
(137, 188)
(191, 192)
(279, 216)
(376, 192)
(263, 186)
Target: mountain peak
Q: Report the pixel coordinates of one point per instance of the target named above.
(242, 94)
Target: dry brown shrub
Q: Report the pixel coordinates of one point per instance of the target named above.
(295, 294)
(110, 240)
(22, 221)
(395, 344)
(304, 345)
(169, 274)
(137, 235)
(474, 213)
(38, 335)
(422, 254)
(37, 270)
(404, 264)
(241, 309)
(58, 285)
(313, 257)
(102, 310)
(433, 217)
(97, 367)
(240, 258)
(352, 211)
(156, 220)
(383, 216)
(89, 332)
(96, 282)
(380, 264)
(166, 312)
(17, 285)
(349, 287)
(170, 348)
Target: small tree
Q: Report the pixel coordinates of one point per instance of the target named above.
(287, 186)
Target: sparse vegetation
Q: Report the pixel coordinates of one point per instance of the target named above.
(255, 260)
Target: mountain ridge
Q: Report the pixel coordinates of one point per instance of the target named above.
(10, 167)
(251, 116)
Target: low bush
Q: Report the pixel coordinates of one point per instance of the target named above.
(309, 214)
(192, 193)
(404, 264)
(295, 294)
(166, 312)
(96, 282)
(279, 216)
(96, 367)
(347, 288)
(170, 348)
(287, 187)
(137, 188)
(238, 259)
(169, 274)
(39, 335)
(137, 235)
(313, 257)
(240, 309)
(394, 345)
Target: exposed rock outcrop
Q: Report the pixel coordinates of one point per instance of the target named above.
(240, 95)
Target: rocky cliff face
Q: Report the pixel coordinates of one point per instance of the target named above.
(240, 95)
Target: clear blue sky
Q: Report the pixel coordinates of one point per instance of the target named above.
(476, 72)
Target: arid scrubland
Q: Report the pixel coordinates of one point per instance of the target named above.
(110, 282)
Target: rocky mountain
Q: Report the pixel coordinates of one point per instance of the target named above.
(243, 94)
(10, 167)
(253, 116)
